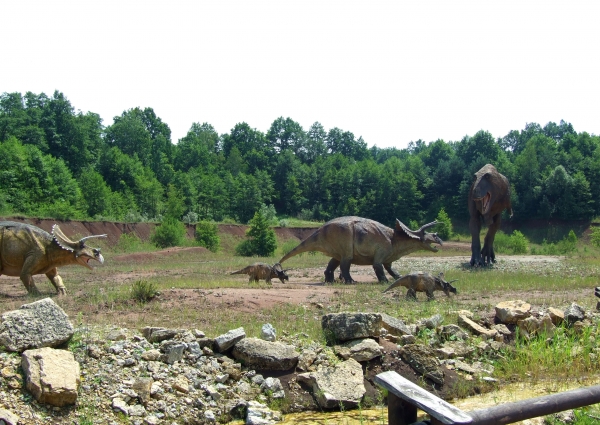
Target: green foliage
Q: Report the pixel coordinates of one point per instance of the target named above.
(207, 235)
(444, 228)
(595, 236)
(170, 233)
(143, 291)
(516, 243)
(261, 238)
(565, 246)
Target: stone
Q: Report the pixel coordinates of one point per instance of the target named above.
(151, 355)
(120, 405)
(39, 324)
(264, 355)
(173, 351)
(574, 313)
(306, 359)
(512, 311)
(394, 326)
(557, 316)
(476, 328)
(136, 410)
(227, 340)
(458, 348)
(433, 321)
(154, 334)
(361, 350)
(259, 414)
(52, 376)
(423, 360)
(268, 333)
(8, 418)
(143, 388)
(339, 385)
(453, 333)
(271, 385)
(346, 326)
(116, 335)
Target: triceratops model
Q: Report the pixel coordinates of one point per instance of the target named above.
(488, 197)
(361, 241)
(423, 282)
(26, 250)
(259, 271)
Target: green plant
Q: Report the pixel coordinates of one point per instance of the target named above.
(595, 236)
(207, 235)
(143, 291)
(516, 243)
(169, 233)
(444, 227)
(261, 238)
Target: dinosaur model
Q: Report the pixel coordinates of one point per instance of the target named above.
(26, 250)
(361, 241)
(423, 282)
(259, 271)
(488, 197)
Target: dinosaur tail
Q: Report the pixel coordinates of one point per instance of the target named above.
(309, 244)
(243, 271)
(397, 282)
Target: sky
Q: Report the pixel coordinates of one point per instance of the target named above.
(390, 71)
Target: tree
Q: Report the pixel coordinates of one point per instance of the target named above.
(261, 238)
(444, 228)
(286, 134)
(169, 233)
(207, 235)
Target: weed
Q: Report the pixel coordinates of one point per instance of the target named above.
(143, 291)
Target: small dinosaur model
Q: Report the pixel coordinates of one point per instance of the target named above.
(423, 282)
(259, 271)
(26, 250)
(488, 197)
(361, 241)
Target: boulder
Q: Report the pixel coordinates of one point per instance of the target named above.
(423, 360)
(476, 328)
(512, 311)
(227, 340)
(557, 316)
(52, 376)
(574, 313)
(154, 334)
(264, 355)
(453, 333)
(8, 418)
(347, 326)
(361, 350)
(39, 324)
(260, 414)
(341, 384)
(394, 326)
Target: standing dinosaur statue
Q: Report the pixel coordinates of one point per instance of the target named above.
(423, 282)
(361, 241)
(488, 197)
(26, 250)
(259, 271)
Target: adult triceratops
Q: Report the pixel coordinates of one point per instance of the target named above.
(488, 197)
(26, 250)
(361, 241)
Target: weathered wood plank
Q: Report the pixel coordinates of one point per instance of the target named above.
(429, 403)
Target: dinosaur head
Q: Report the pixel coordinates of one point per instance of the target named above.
(424, 237)
(83, 253)
(445, 286)
(483, 190)
(281, 274)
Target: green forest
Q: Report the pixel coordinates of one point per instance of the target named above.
(58, 162)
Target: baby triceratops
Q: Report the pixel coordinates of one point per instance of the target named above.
(259, 271)
(423, 282)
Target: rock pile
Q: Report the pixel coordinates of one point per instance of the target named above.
(160, 375)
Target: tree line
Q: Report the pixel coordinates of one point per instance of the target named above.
(61, 163)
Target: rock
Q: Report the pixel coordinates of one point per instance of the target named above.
(173, 351)
(271, 385)
(476, 329)
(120, 405)
(306, 359)
(151, 355)
(347, 326)
(432, 322)
(453, 333)
(512, 311)
(39, 324)
(423, 360)
(361, 350)
(52, 376)
(456, 349)
(153, 334)
(557, 316)
(502, 329)
(268, 333)
(265, 355)
(226, 341)
(143, 387)
(341, 384)
(574, 313)
(116, 335)
(8, 418)
(209, 416)
(260, 414)
(394, 326)
(136, 410)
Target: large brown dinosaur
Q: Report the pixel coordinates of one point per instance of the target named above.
(26, 250)
(356, 240)
(259, 271)
(423, 282)
(488, 197)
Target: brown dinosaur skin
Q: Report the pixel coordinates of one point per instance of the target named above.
(423, 282)
(259, 271)
(361, 241)
(488, 197)
(26, 250)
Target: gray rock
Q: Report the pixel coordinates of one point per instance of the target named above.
(574, 313)
(361, 350)
(173, 351)
(271, 385)
(264, 355)
(306, 359)
(260, 414)
(137, 410)
(226, 341)
(453, 333)
(423, 360)
(8, 418)
(433, 321)
(338, 385)
(268, 333)
(120, 405)
(153, 334)
(394, 326)
(347, 326)
(39, 324)
(143, 387)
(209, 416)
(52, 376)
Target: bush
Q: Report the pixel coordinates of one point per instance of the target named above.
(516, 243)
(143, 291)
(269, 212)
(207, 235)
(595, 236)
(169, 233)
(444, 228)
(261, 238)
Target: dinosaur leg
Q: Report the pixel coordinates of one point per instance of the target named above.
(487, 253)
(27, 280)
(475, 228)
(379, 272)
(345, 269)
(391, 271)
(411, 295)
(57, 281)
(330, 270)
(430, 296)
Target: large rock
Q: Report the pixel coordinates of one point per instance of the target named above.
(574, 313)
(264, 355)
(227, 340)
(52, 376)
(361, 350)
(476, 328)
(347, 326)
(512, 311)
(338, 385)
(423, 360)
(394, 326)
(39, 324)
(8, 418)
(260, 414)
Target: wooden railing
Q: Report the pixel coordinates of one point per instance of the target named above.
(404, 398)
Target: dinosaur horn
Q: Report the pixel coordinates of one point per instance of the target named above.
(92, 236)
(62, 240)
(427, 226)
(452, 281)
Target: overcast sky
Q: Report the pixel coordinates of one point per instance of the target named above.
(389, 71)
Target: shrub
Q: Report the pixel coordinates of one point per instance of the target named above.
(269, 212)
(169, 233)
(444, 228)
(516, 243)
(261, 238)
(595, 236)
(143, 291)
(207, 235)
